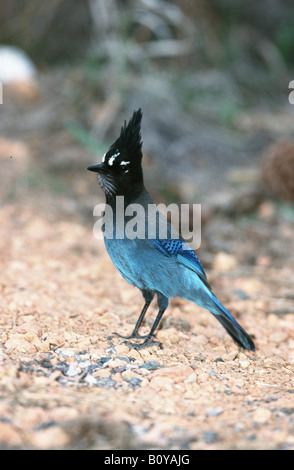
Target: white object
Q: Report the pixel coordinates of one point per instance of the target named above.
(15, 65)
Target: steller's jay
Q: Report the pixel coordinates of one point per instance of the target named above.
(166, 266)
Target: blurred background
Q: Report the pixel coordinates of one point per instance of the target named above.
(212, 78)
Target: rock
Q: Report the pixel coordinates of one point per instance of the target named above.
(231, 356)
(199, 339)
(210, 411)
(261, 415)
(244, 364)
(224, 262)
(29, 327)
(178, 373)
(191, 379)
(20, 345)
(162, 383)
(169, 334)
(150, 365)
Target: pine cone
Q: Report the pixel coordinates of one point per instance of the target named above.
(278, 169)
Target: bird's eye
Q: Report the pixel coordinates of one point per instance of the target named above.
(124, 166)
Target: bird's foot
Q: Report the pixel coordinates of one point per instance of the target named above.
(148, 342)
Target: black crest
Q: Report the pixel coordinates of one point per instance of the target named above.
(129, 143)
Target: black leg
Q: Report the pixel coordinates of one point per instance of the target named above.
(162, 303)
(148, 296)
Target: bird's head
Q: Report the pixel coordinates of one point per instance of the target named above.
(120, 171)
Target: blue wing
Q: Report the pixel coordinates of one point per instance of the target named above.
(184, 255)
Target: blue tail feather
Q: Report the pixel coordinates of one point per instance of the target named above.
(227, 320)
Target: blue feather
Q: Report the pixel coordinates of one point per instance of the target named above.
(184, 255)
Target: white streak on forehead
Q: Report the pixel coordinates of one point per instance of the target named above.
(123, 163)
(112, 158)
(103, 158)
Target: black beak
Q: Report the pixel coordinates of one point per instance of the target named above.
(98, 168)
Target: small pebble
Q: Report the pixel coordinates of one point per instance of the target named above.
(151, 365)
(213, 411)
(261, 415)
(73, 370)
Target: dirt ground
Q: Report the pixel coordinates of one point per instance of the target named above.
(68, 383)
